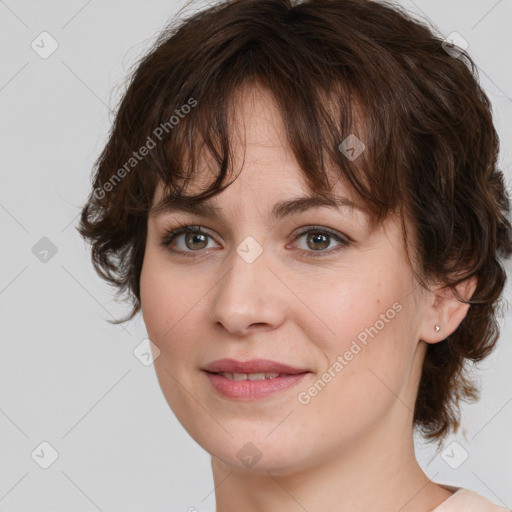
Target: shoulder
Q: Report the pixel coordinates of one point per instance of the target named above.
(465, 500)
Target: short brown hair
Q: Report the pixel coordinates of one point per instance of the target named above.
(335, 68)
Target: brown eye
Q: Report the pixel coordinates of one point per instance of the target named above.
(196, 241)
(186, 240)
(318, 240)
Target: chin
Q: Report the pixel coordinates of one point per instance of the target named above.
(259, 455)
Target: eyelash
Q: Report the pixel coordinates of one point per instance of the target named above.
(170, 236)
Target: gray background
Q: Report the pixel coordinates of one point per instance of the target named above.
(68, 377)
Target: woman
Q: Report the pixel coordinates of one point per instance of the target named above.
(335, 164)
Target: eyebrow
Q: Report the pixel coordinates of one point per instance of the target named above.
(279, 210)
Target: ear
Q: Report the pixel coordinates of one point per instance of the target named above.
(446, 311)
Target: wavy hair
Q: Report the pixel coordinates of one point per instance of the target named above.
(335, 68)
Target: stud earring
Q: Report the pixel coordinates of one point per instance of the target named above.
(437, 328)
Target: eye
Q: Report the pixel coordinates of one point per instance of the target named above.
(318, 239)
(194, 239)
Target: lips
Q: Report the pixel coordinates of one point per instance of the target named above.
(251, 380)
(253, 366)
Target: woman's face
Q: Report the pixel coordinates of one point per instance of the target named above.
(315, 290)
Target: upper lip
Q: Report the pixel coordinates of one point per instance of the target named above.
(251, 366)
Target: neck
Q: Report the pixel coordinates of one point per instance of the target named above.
(377, 472)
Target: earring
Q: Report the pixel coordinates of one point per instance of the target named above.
(437, 328)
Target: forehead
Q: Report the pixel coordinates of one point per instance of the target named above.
(258, 144)
(261, 152)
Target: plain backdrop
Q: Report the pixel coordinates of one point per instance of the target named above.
(68, 378)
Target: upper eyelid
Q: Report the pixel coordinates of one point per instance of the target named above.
(199, 227)
(172, 234)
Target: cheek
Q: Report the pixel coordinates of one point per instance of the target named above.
(358, 308)
(364, 342)
(168, 302)
(169, 308)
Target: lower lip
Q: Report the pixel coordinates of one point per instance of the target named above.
(250, 389)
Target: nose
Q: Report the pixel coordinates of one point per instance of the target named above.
(248, 297)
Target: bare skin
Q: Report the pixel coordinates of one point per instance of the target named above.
(350, 447)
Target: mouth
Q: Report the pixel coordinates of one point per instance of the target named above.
(252, 366)
(250, 376)
(254, 379)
